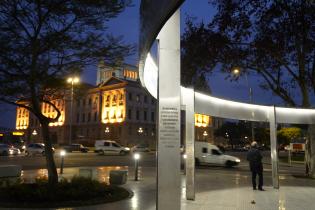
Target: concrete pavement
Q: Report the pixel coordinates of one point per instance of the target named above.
(216, 189)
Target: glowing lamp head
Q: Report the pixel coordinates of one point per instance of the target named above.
(184, 156)
(62, 153)
(76, 80)
(136, 156)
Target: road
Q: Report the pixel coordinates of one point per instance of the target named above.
(147, 160)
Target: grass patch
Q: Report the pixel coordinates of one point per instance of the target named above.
(79, 191)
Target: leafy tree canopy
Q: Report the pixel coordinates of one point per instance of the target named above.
(274, 39)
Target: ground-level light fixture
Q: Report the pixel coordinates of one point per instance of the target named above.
(62, 154)
(136, 156)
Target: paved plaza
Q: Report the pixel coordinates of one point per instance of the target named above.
(216, 188)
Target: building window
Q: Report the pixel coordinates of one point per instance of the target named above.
(108, 98)
(78, 117)
(95, 116)
(138, 98)
(130, 96)
(152, 117)
(78, 103)
(130, 130)
(152, 100)
(89, 117)
(113, 74)
(83, 117)
(119, 130)
(145, 99)
(145, 115)
(83, 102)
(90, 101)
(129, 114)
(137, 115)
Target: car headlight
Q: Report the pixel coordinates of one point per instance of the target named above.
(11, 151)
(127, 148)
(238, 160)
(23, 147)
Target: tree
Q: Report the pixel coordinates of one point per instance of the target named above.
(234, 132)
(286, 135)
(44, 41)
(274, 39)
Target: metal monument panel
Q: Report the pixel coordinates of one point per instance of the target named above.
(188, 98)
(168, 174)
(153, 15)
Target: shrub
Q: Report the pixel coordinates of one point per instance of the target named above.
(78, 191)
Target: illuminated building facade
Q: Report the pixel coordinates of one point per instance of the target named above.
(117, 108)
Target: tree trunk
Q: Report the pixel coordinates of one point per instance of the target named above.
(50, 162)
(310, 152)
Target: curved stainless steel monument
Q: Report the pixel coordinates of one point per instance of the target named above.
(160, 20)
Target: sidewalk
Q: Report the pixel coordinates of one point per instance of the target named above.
(215, 189)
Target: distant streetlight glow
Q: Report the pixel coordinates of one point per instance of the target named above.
(236, 71)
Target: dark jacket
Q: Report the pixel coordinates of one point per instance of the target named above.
(254, 157)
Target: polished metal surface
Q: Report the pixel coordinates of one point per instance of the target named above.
(243, 111)
(273, 147)
(168, 160)
(188, 98)
(153, 15)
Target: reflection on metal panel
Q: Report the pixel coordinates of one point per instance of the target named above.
(229, 109)
(188, 100)
(273, 147)
(153, 15)
(213, 106)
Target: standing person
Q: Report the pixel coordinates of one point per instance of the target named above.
(254, 157)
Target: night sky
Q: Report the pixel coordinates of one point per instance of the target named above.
(127, 25)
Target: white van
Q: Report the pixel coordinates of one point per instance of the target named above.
(209, 154)
(110, 148)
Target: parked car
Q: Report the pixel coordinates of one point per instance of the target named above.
(36, 148)
(140, 148)
(8, 150)
(76, 148)
(209, 154)
(110, 148)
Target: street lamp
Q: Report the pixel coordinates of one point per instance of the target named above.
(205, 134)
(236, 72)
(72, 81)
(140, 130)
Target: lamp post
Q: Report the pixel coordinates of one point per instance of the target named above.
(72, 81)
(62, 154)
(237, 72)
(136, 157)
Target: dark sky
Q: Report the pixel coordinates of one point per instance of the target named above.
(127, 25)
